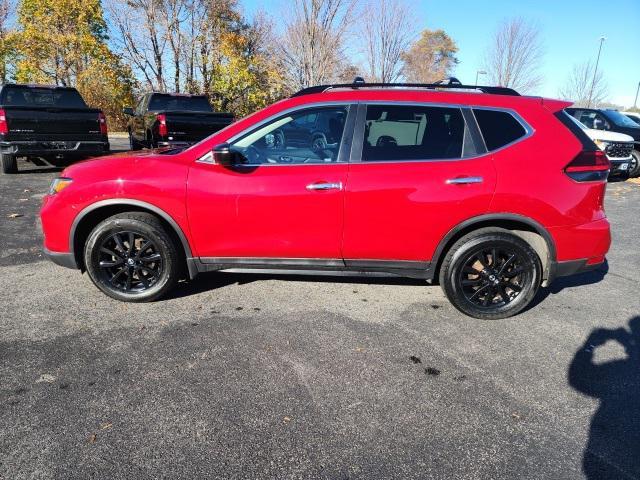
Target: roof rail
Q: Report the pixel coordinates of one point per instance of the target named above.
(452, 83)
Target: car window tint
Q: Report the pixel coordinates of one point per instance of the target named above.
(42, 97)
(178, 103)
(306, 136)
(408, 132)
(498, 128)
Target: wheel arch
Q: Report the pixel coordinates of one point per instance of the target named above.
(526, 228)
(93, 214)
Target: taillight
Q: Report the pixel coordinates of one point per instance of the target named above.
(589, 166)
(162, 124)
(102, 120)
(4, 128)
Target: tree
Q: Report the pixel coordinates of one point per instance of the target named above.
(515, 56)
(578, 86)
(430, 58)
(64, 42)
(6, 43)
(311, 50)
(387, 32)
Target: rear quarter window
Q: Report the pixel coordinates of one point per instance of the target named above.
(498, 128)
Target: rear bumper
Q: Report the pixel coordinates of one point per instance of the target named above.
(70, 149)
(61, 258)
(574, 267)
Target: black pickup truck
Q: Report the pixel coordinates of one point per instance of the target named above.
(50, 123)
(172, 119)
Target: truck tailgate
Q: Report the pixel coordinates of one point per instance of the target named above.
(52, 123)
(193, 126)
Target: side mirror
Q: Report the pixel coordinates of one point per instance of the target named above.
(223, 155)
(128, 111)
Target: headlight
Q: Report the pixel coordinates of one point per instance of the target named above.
(59, 184)
(602, 145)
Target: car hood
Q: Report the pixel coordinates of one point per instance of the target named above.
(607, 136)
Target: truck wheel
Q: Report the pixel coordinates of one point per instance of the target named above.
(133, 145)
(132, 257)
(634, 165)
(9, 163)
(491, 274)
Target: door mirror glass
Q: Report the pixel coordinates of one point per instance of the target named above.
(127, 111)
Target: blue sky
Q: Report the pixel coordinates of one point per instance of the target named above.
(570, 30)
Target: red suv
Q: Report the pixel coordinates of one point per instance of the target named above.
(490, 193)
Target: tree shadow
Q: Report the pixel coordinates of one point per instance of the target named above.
(613, 447)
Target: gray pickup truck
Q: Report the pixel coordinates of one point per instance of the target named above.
(172, 119)
(48, 122)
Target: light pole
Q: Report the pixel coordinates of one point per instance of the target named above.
(595, 71)
(479, 72)
(635, 102)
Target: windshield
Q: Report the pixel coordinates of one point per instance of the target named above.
(620, 119)
(17, 96)
(179, 103)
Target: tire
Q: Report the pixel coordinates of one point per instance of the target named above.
(133, 145)
(9, 163)
(141, 275)
(634, 165)
(478, 289)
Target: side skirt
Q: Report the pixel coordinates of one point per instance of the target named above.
(311, 266)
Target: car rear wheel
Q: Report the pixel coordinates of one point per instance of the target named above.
(132, 257)
(634, 165)
(491, 274)
(9, 163)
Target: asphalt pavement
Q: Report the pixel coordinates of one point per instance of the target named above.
(255, 376)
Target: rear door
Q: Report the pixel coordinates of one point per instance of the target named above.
(417, 171)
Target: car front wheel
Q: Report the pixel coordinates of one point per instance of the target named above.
(491, 274)
(132, 257)
(634, 165)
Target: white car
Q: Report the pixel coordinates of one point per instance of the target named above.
(617, 146)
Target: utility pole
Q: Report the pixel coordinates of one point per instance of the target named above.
(635, 102)
(479, 72)
(595, 71)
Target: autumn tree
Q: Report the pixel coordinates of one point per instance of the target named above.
(386, 31)
(65, 42)
(6, 40)
(431, 58)
(515, 56)
(578, 86)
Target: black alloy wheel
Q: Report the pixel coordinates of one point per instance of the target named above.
(634, 164)
(491, 274)
(130, 262)
(133, 257)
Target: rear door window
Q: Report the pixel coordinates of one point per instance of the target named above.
(412, 132)
(498, 128)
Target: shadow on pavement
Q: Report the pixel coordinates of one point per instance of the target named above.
(613, 447)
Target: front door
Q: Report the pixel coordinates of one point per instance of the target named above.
(283, 201)
(417, 172)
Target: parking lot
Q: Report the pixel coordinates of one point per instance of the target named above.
(253, 376)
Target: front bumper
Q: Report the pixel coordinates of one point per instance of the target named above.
(64, 259)
(619, 167)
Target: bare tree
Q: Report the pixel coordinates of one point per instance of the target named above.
(312, 48)
(387, 32)
(515, 56)
(578, 86)
(141, 37)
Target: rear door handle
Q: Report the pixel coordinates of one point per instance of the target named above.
(464, 180)
(325, 186)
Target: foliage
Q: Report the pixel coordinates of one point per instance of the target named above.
(64, 42)
(431, 58)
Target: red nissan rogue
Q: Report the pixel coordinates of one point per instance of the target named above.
(490, 193)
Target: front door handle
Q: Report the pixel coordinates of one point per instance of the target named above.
(464, 180)
(325, 186)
